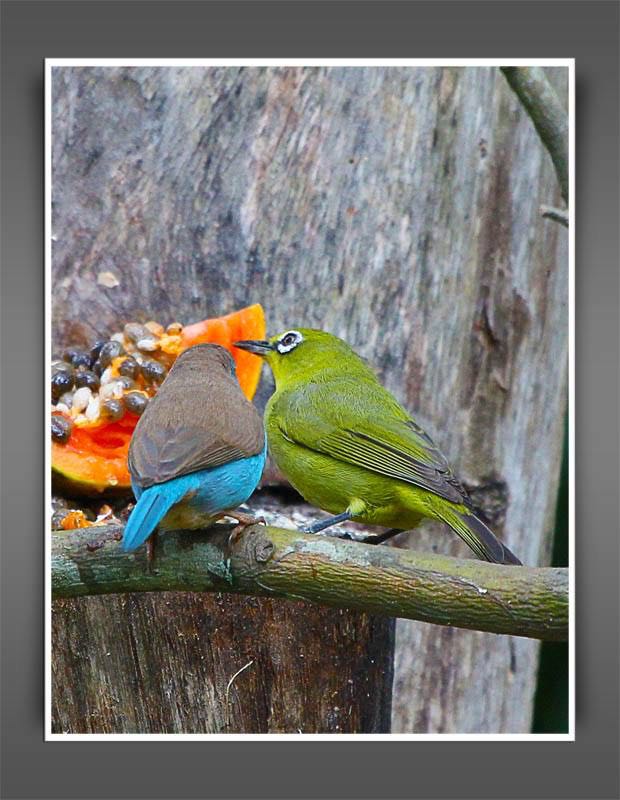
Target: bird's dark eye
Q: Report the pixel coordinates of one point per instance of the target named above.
(289, 341)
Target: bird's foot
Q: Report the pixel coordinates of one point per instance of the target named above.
(322, 524)
(243, 521)
(338, 533)
(247, 519)
(371, 538)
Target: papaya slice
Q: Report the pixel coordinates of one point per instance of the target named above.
(92, 460)
(248, 323)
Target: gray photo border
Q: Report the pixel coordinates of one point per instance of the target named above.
(587, 31)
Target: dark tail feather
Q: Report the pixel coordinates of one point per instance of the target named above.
(510, 557)
(481, 539)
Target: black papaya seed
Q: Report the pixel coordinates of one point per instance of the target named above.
(112, 410)
(95, 350)
(135, 402)
(61, 382)
(129, 368)
(153, 371)
(87, 378)
(77, 358)
(127, 383)
(68, 355)
(61, 428)
(109, 352)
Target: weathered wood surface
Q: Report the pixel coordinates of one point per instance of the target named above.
(396, 207)
(169, 664)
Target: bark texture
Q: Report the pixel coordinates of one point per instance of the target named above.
(195, 663)
(396, 207)
(270, 561)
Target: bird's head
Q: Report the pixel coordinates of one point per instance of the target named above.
(205, 358)
(302, 353)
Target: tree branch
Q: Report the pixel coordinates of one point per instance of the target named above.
(541, 102)
(274, 562)
(556, 214)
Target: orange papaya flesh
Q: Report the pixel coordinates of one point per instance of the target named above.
(93, 461)
(248, 323)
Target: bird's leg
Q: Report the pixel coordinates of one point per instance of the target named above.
(244, 521)
(321, 524)
(150, 549)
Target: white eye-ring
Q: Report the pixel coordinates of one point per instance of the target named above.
(289, 341)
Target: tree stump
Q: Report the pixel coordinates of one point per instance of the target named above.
(196, 663)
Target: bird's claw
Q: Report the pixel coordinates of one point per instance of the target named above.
(243, 521)
(341, 535)
(317, 529)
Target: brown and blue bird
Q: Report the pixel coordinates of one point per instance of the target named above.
(198, 451)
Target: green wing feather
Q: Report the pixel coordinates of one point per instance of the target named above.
(359, 422)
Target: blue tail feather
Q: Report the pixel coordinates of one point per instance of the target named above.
(207, 492)
(152, 506)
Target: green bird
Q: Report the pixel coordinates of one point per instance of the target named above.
(348, 447)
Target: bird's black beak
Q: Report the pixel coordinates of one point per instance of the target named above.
(257, 347)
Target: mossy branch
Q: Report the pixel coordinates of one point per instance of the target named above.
(273, 562)
(541, 102)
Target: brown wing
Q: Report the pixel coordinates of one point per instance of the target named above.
(196, 421)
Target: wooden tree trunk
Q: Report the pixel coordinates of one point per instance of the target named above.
(396, 207)
(195, 663)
